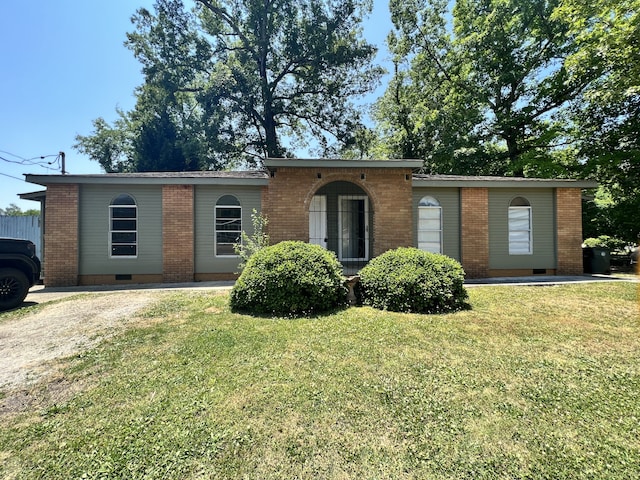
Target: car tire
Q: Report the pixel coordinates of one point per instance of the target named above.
(14, 287)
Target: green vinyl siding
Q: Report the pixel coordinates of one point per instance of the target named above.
(449, 199)
(543, 255)
(95, 258)
(206, 197)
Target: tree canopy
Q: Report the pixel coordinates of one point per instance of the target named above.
(545, 88)
(232, 82)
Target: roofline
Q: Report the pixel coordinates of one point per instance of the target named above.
(340, 163)
(136, 179)
(501, 182)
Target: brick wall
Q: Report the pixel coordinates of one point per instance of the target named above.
(569, 228)
(177, 233)
(60, 263)
(286, 203)
(474, 231)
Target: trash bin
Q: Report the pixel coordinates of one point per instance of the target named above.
(596, 260)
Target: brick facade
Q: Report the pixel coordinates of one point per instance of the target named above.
(474, 229)
(60, 264)
(569, 231)
(286, 203)
(178, 233)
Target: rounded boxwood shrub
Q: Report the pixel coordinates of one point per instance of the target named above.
(412, 280)
(290, 278)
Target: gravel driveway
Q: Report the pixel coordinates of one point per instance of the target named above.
(68, 323)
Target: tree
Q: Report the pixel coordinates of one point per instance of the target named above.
(240, 81)
(606, 33)
(14, 210)
(491, 81)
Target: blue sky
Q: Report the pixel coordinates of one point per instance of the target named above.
(63, 65)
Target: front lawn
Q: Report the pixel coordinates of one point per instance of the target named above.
(533, 382)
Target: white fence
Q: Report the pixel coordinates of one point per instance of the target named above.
(27, 227)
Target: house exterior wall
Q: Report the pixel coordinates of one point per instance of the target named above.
(569, 231)
(389, 190)
(96, 264)
(208, 266)
(543, 256)
(449, 199)
(60, 264)
(177, 233)
(176, 222)
(474, 231)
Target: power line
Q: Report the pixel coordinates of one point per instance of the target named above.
(41, 160)
(11, 176)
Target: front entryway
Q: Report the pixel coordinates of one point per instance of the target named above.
(340, 219)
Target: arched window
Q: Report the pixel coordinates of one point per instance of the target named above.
(228, 225)
(430, 225)
(520, 231)
(123, 226)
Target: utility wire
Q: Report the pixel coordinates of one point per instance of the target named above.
(31, 161)
(11, 176)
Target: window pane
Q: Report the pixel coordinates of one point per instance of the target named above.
(225, 249)
(123, 199)
(228, 212)
(227, 237)
(123, 212)
(431, 237)
(123, 237)
(129, 225)
(124, 250)
(229, 225)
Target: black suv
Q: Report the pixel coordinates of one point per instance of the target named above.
(19, 271)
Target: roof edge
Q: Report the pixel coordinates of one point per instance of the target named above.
(340, 163)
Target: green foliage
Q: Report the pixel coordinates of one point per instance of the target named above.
(605, 241)
(255, 242)
(227, 81)
(14, 210)
(411, 280)
(290, 279)
(479, 84)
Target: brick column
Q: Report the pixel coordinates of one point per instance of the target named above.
(177, 233)
(61, 235)
(474, 214)
(569, 231)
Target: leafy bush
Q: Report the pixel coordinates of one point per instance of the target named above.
(605, 241)
(290, 278)
(250, 244)
(411, 280)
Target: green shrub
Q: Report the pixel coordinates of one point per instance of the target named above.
(290, 278)
(411, 280)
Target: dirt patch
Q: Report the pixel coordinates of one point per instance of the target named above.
(30, 344)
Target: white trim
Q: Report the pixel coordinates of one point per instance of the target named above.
(215, 230)
(512, 232)
(425, 245)
(112, 231)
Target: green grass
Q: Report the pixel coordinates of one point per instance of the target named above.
(533, 382)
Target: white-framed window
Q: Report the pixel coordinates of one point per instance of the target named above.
(123, 226)
(520, 227)
(430, 225)
(228, 225)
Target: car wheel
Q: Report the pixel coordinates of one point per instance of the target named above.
(14, 287)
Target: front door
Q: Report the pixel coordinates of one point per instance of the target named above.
(353, 228)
